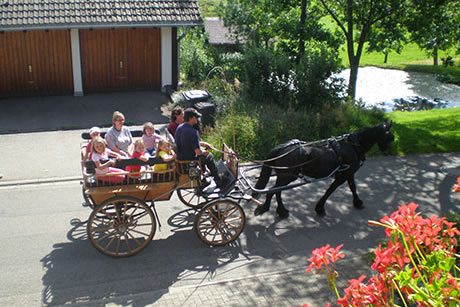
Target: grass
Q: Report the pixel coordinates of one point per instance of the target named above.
(426, 131)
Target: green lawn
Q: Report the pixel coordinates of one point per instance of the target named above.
(426, 131)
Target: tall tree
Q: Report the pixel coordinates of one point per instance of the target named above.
(356, 19)
(284, 25)
(435, 25)
(386, 36)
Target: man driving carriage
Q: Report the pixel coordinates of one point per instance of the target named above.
(189, 146)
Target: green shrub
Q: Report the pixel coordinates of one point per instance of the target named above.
(313, 81)
(195, 60)
(266, 76)
(260, 128)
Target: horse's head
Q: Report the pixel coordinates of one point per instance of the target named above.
(385, 138)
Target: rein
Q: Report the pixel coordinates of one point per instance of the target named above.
(300, 145)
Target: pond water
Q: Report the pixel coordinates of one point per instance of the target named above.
(389, 89)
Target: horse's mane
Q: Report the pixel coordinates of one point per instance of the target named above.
(367, 136)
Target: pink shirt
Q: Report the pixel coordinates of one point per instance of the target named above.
(151, 141)
(98, 157)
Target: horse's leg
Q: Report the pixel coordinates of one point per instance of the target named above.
(320, 205)
(265, 207)
(281, 210)
(358, 203)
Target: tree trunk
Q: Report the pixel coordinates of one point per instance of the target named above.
(352, 80)
(386, 58)
(303, 11)
(435, 56)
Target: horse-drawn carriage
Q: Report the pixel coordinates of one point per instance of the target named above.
(124, 219)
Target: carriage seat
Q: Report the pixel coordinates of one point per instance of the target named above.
(135, 133)
(133, 177)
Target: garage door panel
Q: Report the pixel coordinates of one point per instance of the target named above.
(120, 59)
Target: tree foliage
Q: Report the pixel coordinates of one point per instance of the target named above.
(435, 25)
(358, 19)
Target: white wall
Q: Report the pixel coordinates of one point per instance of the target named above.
(166, 56)
(76, 63)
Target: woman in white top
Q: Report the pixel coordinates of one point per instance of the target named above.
(118, 137)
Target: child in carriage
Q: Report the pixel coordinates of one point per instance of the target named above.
(139, 153)
(164, 151)
(150, 138)
(94, 132)
(101, 153)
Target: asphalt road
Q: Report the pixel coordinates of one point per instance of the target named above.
(47, 259)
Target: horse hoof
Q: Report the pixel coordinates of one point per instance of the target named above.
(284, 214)
(358, 204)
(320, 213)
(259, 211)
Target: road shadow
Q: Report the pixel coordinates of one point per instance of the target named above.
(50, 113)
(267, 244)
(163, 263)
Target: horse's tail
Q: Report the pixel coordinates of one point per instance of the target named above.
(263, 179)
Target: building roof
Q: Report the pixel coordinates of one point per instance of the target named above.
(218, 33)
(65, 14)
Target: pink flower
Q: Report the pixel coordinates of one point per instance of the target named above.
(457, 186)
(323, 255)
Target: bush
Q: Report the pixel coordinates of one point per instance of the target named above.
(258, 129)
(313, 81)
(195, 62)
(275, 78)
(267, 76)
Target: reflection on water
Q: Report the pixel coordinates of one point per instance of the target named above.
(415, 103)
(385, 88)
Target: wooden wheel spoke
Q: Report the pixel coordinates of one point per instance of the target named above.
(110, 243)
(214, 237)
(228, 230)
(209, 230)
(135, 240)
(118, 215)
(139, 217)
(135, 209)
(231, 213)
(143, 224)
(109, 215)
(207, 227)
(127, 245)
(124, 211)
(140, 232)
(107, 235)
(232, 225)
(211, 213)
(233, 219)
(117, 249)
(101, 229)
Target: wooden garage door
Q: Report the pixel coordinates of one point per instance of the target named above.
(35, 62)
(120, 59)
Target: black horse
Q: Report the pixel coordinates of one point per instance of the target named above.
(295, 159)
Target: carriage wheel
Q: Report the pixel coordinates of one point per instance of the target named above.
(121, 226)
(188, 197)
(220, 222)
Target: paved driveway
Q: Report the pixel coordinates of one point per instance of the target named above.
(68, 112)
